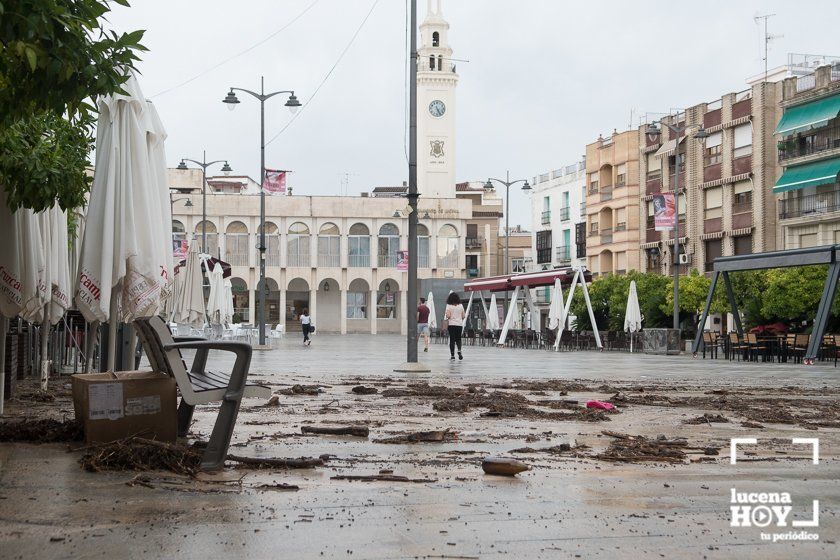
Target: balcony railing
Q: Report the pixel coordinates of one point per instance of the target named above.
(422, 261)
(621, 226)
(606, 192)
(472, 272)
(473, 243)
(593, 189)
(329, 260)
(359, 261)
(583, 209)
(827, 138)
(387, 261)
(811, 204)
(564, 214)
(543, 255)
(564, 254)
(299, 260)
(606, 235)
(546, 217)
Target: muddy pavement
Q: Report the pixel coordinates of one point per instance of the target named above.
(402, 478)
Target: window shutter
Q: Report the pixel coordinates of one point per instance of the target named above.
(653, 163)
(714, 197)
(742, 187)
(715, 139)
(743, 135)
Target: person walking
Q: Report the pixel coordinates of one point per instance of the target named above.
(423, 323)
(454, 324)
(305, 324)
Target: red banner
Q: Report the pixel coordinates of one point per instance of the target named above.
(402, 260)
(275, 181)
(664, 212)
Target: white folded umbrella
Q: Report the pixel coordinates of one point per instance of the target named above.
(430, 303)
(633, 315)
(227, 317)
(216, 302)
(59, 264)
(555, 310)
(493, 323)
(189, 309)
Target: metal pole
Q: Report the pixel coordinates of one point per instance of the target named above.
(204, 201)
(261, 285)
(677, 225)
(411, 316)
(507, 231)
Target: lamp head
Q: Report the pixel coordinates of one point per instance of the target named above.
(488, 186)
(397, 214)
(231, 100)
(293, 104)
(226, 169)
(526, 186)
(653, 131)
(188, 203)
(426, 216)
(182, 166)
(701, 135)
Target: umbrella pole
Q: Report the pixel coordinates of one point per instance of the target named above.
(112, 333)
(4, 326)
(45, 362)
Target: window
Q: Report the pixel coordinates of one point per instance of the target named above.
(272, 244)
(298, 245)
(621, 219)
(742, 197)
(212, 247)
(440, 62)
(329, 246)
(386, 300)
(546, 212)
(236, 244)
(714, 202)
(357, 305)
(544, 246)
(807, 240)
(714, 249)
(743, 141)
(713, 153)
(358, 246)
(517, 265)
(179, 238)
(432, 62)
(422, 246)
(671, 163)
(654, 167)
(621, 262)
(447, 249)
(472, 265)
(621, 175)
(435, 39)
(389, 245)
(593, 182)
(743, 245)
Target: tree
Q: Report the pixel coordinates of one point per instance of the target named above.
(609, 300)
(56, 59)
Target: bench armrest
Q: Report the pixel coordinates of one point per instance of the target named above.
(238, 375)
(204, 344)
(188, 338)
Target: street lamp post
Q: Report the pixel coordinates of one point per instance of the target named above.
(653, 131)
(204, 164)
(488, 186)
(293, 104)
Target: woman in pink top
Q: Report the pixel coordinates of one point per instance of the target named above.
(455, 324)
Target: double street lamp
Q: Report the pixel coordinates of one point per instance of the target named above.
(653, 131)
(293, 104)
(204, 164)
(488, 186)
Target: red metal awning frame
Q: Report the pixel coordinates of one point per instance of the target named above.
(526, 279)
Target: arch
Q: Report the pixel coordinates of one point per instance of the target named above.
(359, 229)
(270, 228)
(605, 175)
(241, 298)
(422, 230)
(236, 227)
(272, 243)
(211, 227)
(387, 299)
(329, 245)
(440, 62)
(328, 228)
(271, 283)
(178, 227)
(357, 299)
(299, 228)
(605, 218)
(389, 229)
(298, 285)
(359, 285)
(391, 283)
(238, 284)
(605, 259)
(432, 62)
(422, 246)
(447, 230)
(297, 298)
(435, 39)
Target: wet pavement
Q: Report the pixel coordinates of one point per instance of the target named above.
(570, 504)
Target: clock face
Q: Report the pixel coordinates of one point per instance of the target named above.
(437, 108)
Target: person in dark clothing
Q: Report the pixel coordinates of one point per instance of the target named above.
(305, 324)
(423, 323)
(454, 324)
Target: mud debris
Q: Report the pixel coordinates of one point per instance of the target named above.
(362, 390)
(707, 419)
(41, 431)
(357, 431)
(418, 437)
(630, 449)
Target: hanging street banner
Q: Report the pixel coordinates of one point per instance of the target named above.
(664, 212)
(402, 260)
(275, 181)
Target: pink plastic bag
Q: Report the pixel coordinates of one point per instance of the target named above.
(599, 404)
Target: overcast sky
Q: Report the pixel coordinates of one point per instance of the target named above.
(544, 77)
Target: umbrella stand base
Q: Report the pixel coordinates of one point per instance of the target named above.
(261, 347)
(412, 367)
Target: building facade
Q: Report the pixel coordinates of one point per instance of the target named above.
(558, 206)
(808, 146)
(612, 203)
(725, 204)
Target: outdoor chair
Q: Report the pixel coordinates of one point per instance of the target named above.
(828, 347)
(756, 348)
(200, 385)
(800, 346)
(736, 346)
(712, 341)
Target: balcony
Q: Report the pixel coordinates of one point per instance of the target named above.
(298, 260)
(593, 189)
(387, 261)
(472, 273)
(606, 235)
(545, 219)
(329, 260)
(713, 225)
(564, 254)
(809, 205)
(423, 261)
(359, 261)
(742, 220)
(473, 243)
(711, 172)
(741, 165)
(652, 235)
(742, 109)
(543, 256)
(621, 226)
(582, 209)
(825, 139)
(653, 185)
(606, 192)
(712, 118)
(564, 214)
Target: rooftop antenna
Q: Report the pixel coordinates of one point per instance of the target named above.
(767, 38)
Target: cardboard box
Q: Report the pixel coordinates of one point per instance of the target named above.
(125, 404)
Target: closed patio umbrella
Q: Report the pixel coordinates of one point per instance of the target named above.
(555, 310)
(493, 319)
(633, 315)
(216, 302)
(121, 263)
(227, 317)
(189, 309)
(430, 303)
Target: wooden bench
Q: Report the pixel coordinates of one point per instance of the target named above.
(200, 385)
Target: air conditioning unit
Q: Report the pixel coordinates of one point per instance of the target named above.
(685, 259)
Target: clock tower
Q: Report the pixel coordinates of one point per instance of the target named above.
(436, 81)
